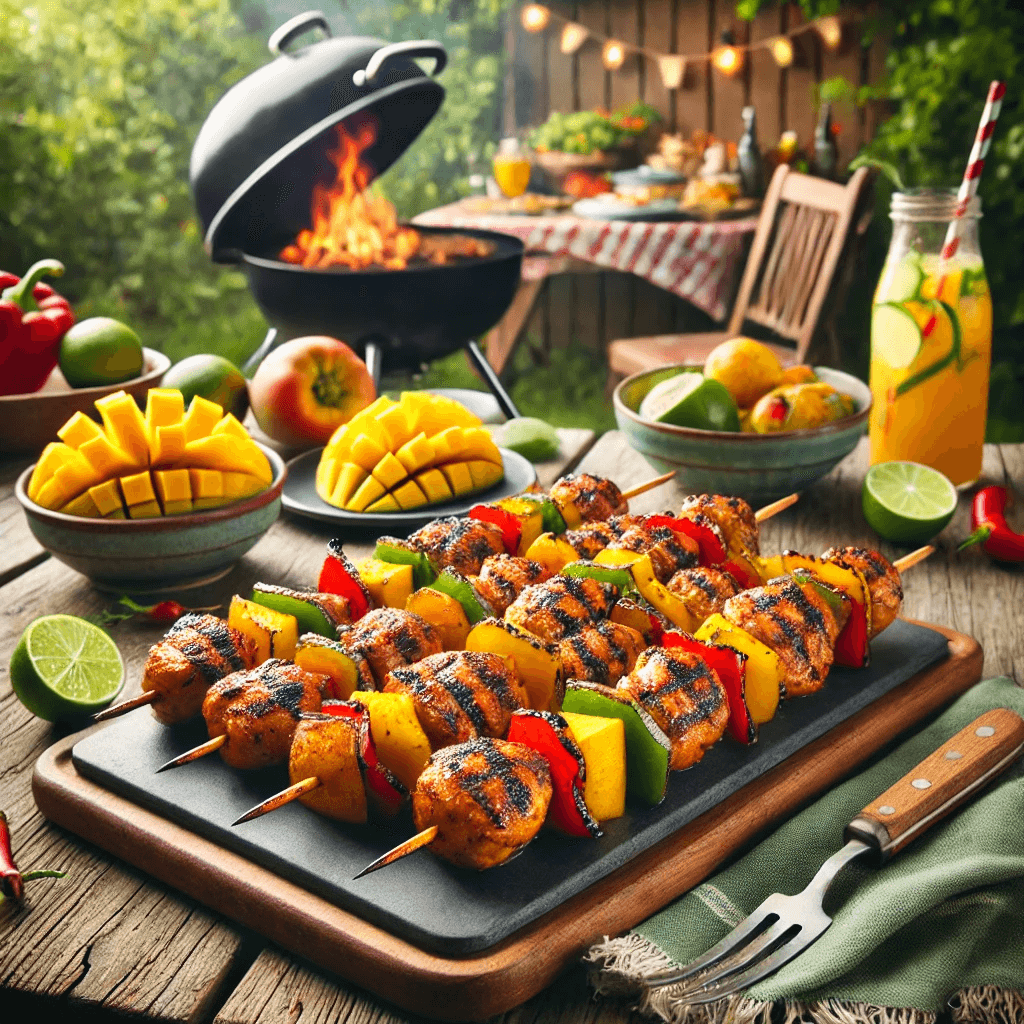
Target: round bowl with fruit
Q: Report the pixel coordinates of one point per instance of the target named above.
(742, 424)
(154, 500)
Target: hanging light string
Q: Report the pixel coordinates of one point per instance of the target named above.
(728, 58)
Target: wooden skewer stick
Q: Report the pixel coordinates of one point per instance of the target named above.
(402, 850)
(196, 752)
(144, 698)
(776, 507)
(286, 796)
(901, 565)
(649, 486)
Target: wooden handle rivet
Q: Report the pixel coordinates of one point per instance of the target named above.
(953, 755)
(985, 730)
(921, 784)
(886, 810)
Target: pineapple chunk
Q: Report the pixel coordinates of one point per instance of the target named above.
(366, 452)
(409, 495)
(484, 474)
(107, 499)
(434, 485)
(350, 477)
(366, 494)
(416, 453)
(174, 490)
(386, 504)
(202, 416)
(275, 633)
(78, 430)
(401, 743)
(389, 584)
(458, 476)
(602, 741)
(125, 426)
(389, 471)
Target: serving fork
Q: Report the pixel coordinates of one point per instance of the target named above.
(783, 926)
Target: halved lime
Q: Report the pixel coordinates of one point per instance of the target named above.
(65, 667)
(691, 400)
(895, 335)
(532, 438)
(906, 502)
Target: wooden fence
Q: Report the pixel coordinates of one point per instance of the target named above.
(597, 308)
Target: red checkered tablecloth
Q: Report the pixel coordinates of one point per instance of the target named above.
(696, 261)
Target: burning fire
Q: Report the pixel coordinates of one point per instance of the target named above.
(352, 227)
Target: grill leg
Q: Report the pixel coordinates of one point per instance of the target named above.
(374, 362)
(249, 366)
(486, 371)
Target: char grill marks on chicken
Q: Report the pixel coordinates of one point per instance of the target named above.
(796, 623)
(259, 709)
(590, 539)
(881, 577)
(733, 516)
(460, 695)
(593, 497)
(684, 696)
(194, 653)
(458, 543)
(704, 589)
(504, 577)
(602, 653)
(666, 552)
(388, 638)
(488, 799)
(561, 606)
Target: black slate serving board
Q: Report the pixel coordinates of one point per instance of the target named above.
(423, 899)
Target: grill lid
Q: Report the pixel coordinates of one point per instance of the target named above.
(264, 134)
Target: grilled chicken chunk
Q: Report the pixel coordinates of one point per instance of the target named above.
(796, 623)
(388, 638)
(561, 606)
(602, 653)
(733, 516)
(459, 543)
(703, 589)
(194, 653)
(591, 538)
(593, 497)
(460, 695)
(882, 579)
(504, 577)
(259, 710)
(667, 554)
(488, 799)
(684, 696)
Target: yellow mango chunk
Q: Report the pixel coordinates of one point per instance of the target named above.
(83, 505)
(448, 445)
(553, 551)
(275, 633)
(106, 457)
(147, 510)
(107, 499)
(327, 471)
(78, 430)
(53, 455)
(224, 452)
(350, 477)
(409, 495)
(167, 444)
(484, 474)
(389, 584)
(386, 504)
(395, 424)
(434, 485)
(241, 485)
(137, 489)
(460, 480)
(602, 741)
(229, 424)
(125, 426)
(202, 416)
(389, 471)
(444, 613)
(69, 480)
(477, 443)
(366, 494)
(165, 407)
(416, 453)
(174, 490)
(401, 743)
(537, 664)
(366, 452)
(207, 488)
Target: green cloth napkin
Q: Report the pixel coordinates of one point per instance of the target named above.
(944, 917)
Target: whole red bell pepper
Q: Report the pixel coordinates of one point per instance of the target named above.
(990, 528)
(33, 319)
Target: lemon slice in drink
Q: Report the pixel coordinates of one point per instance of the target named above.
(907, 503)
(65, 667)
(691, 400)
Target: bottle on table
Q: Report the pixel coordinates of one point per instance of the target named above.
(511, 168)
(826, 152)
(748, 155)
(931, 340)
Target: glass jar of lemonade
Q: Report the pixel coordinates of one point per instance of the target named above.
(512, 168)
(931, 340)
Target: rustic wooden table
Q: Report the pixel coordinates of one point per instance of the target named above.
(106, 940)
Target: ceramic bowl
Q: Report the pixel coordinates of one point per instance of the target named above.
(758, 467)
(29, 422)
(152, 556)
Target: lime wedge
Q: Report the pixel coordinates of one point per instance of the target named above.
(691, 400)
(906, 502)
(895, 335)
(532, 438)
(65, 667)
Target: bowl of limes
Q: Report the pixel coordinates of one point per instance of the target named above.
(684, 419)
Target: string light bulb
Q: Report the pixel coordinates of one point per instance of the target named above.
(830, 28)
(673, 69)
(573, 37)
(613, 55)
(782, 51)
(728, 59)
(535, 17)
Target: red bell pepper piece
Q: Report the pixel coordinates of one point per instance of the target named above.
(33, 319)
(852, 649)
(710, 544)
(741, 571)
(509, 524)
(548, 734)
(990, 528)
(339, 576)
(731, 668)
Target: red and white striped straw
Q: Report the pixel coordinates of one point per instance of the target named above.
(969, 186)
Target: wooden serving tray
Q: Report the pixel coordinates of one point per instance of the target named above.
(509, 972)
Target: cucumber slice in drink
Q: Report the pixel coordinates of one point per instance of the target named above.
(691, 400)
(895, 335)
(903, 282)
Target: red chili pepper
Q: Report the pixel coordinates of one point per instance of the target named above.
(339, 576)
(162, 611)
(12, 881)
(991, 530)
(33, 319)
(508, 522)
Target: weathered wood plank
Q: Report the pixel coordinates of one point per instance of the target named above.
(729, 91)
(19, 550)
(765, 81)
(801, 78)
(694, 32)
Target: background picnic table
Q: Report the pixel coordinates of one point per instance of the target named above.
(107, 940)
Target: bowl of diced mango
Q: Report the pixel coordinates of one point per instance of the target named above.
(153, 499)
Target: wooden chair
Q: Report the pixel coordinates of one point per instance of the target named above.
(803, 229)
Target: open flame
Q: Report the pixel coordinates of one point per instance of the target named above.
(352, 227)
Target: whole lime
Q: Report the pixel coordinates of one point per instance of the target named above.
(212, 377)
(98, 351)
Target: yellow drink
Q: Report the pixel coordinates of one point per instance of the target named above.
(512, 173)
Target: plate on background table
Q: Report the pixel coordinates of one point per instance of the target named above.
(299, 496)
(608, 207)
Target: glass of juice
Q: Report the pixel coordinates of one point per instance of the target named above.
(512, 168)
(931, 340)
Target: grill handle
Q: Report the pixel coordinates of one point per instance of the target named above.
(293, 27)
(411, 48)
